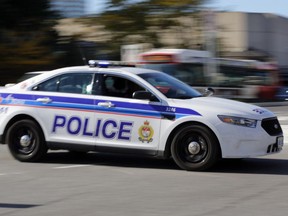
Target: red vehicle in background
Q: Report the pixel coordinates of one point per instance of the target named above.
(230, 78)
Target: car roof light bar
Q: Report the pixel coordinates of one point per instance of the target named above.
(106, 64)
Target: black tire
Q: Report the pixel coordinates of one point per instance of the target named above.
(195, 148)
(26, 141)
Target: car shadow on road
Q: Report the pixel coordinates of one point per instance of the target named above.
(249, 166)
(116, 160)
(253, 166)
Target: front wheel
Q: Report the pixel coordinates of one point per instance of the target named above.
(195, 148)
(26, 141)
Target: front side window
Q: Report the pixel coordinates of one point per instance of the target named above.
(79, 83)
(116, 86)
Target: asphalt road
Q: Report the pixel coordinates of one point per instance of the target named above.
(108, 185)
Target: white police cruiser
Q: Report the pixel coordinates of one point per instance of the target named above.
(131, 110)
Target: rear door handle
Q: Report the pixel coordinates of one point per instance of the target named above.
(44, 100)
(107, 104)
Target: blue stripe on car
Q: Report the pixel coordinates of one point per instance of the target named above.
(91, 105)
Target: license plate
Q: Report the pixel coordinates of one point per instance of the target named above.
(280, 142)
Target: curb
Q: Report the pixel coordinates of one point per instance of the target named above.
(271, 104)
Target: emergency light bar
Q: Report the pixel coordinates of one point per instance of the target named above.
(106, 64)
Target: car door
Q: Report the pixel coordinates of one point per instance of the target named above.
(65, 107)
(123, 122)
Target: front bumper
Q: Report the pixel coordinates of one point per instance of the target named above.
(244, 142)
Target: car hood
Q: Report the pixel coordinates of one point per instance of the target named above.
(206, 106)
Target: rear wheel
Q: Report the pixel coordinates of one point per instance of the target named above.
(195, 148)
(26, 141)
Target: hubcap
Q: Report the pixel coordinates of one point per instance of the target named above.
(25, 141)
(194, 148)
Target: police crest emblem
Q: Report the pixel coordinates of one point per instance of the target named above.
(146, 132)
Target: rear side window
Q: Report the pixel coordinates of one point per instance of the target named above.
(79, 83)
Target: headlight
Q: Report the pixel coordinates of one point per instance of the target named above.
(238, 121)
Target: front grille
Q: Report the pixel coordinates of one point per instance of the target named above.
(271, 126)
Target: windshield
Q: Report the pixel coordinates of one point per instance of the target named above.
(192, 74)
(169, 86)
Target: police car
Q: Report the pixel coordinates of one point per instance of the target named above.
(130, 110)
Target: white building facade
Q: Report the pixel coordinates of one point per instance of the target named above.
(252, 33)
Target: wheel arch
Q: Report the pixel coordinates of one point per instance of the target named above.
(18, 118)
(167, 151)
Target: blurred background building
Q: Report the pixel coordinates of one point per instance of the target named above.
(259, 36)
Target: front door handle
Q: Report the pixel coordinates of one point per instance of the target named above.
(169, 116)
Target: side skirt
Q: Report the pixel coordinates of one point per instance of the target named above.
(104, 149)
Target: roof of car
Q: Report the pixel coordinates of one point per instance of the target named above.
(132, 70)
(79, 69)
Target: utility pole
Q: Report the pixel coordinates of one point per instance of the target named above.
(210, 40)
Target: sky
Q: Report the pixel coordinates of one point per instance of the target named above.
(279, 7)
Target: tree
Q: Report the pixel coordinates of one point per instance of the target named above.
(28, 39)
(149, 21)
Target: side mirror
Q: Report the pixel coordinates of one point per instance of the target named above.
(144, 95)
(35, 88)
(208, 92)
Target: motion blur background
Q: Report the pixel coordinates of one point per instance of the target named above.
(48, 34)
